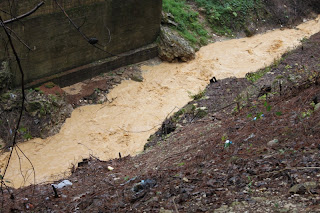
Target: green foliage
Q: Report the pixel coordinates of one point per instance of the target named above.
(304, 40)
(181, 164)
(201, 113)
(25, 133)
(224, 137)
(199, 95)
(287, 67)
(259, 115)
(187, 19)
(307, 113)
(229, 15)
(268, 107)
(253, 77)
(49, 85)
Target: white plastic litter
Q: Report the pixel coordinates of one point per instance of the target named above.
(62, 184)
(227, 143)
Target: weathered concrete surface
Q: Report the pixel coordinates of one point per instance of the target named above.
(87, 71)
(57, 46)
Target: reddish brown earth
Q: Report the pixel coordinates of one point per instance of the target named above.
(190, 170)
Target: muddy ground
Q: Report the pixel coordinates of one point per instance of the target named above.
(271, 163)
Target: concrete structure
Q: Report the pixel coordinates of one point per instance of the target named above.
(58, 49)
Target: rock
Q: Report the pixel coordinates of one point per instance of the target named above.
(250, 30)
(185, 179)
(34, 107)
(273, 142)
(223, 208)
(137, 78)
(303, 187)
(290, 206)
(173, 47)
(10, 100)
(168, 19)
(259, 199)
(2, 143)
(317, 107)
(162, 210)
(62, 184)
(144, 184)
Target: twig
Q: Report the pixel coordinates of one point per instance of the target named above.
(23, 94)
(23, 15)
(92, 156)
(24, 178)
(92, 41)
(175, 205)
(28, 159)
(55, 191)
(22, 102)
(19, 39)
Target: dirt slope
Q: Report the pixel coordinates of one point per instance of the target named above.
(191, 170)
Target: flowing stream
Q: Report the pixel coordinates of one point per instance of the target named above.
(138, 108)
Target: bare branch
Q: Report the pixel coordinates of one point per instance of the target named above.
(23, 15)
(92, 41)
(23, 95)
(19, 39)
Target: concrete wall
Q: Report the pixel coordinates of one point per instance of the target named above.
(57, 46)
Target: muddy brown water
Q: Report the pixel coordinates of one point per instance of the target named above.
(138, 108)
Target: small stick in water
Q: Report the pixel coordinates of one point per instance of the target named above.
(55, 191)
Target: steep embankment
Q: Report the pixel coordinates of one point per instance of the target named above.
(272, 164)
(138, 108)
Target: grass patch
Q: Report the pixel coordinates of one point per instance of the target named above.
(199, 95)
(188, 24)
(254, 76)
(226, 17)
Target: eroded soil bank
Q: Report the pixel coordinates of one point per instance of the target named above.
(137, 109)
(271, 166)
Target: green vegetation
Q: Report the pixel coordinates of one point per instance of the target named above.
(188, 24)
(223, 17)
(49, 85)
(180, 164)
(199, 95)
(226, 17)
(254, 76)
(25, 133)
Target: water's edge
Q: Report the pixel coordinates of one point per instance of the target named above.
(138, 107)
